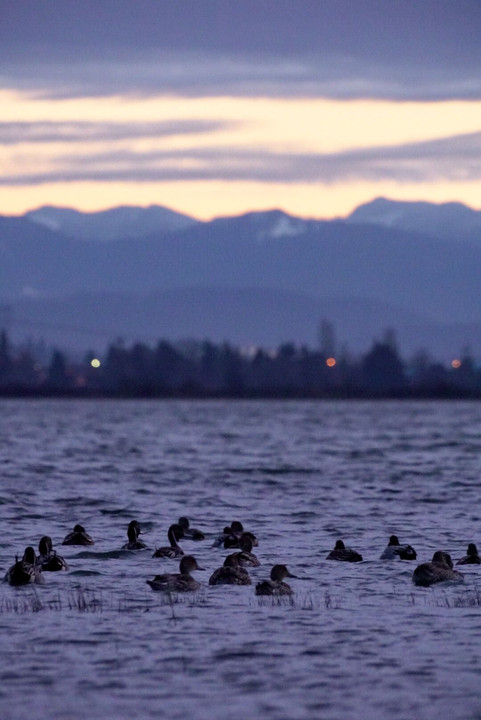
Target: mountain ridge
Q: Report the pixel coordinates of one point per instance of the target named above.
(110, 224)
(434, 279)
(437, 220)
(124, 221)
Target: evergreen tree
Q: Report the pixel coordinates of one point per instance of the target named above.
(383, 370)
(57, 376)
(5, 357)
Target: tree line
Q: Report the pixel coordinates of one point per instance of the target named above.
(204, 369)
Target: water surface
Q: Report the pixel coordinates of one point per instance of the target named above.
(356, 641)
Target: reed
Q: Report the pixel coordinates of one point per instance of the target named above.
(471, 597)
(83, 600)
(468, 597)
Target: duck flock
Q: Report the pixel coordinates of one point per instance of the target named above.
(234, 571)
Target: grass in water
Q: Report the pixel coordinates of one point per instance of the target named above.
(469, 597)
(83, 600)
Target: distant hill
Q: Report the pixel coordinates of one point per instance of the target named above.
(245, 317)
(120, 222)
(258, 278)
(448, 220)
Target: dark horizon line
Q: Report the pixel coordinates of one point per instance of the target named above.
(201, 394)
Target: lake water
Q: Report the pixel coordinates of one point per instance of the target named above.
(356, 641)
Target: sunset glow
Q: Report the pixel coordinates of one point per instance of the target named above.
(248, 156)
(221, 108)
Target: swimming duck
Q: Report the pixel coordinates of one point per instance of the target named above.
(234, 541)
(78, 536)
(440, 569)
(246, 556)
(395, 550)
(341, 552)
(231, 573)
(236, 527)
(234, 530)
(471, 558)
(133, 532)
(48, 560)
(190, 533)
(275, 585)
(24, 571)
(178, 582)
(173, 550)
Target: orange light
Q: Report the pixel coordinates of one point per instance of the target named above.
(330, 362)
(456, 363)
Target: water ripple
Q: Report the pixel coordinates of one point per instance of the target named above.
(354, 641)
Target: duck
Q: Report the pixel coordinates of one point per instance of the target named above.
(276, 585)
(173, 550)
(341, 552)
(395, 550)
(246, 556)
(24, 571)
(236, 527)
(190, 533)
(48, 560)
(471, 557)
(78, 536)
(440, 569)
(231, 573)
(234, 541)
(133, 532)
(178, 582)
(234, 530)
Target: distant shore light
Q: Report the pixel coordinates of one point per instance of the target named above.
(456, 363)
(95, 363)
(330, 362)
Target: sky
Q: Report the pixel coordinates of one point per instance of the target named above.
(219, 107)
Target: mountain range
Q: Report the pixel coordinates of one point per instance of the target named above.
(81, 280)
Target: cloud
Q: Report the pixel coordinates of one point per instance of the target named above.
(455, 159)
(197, 75)
(316, 48)
(14, 133)
(451, 159)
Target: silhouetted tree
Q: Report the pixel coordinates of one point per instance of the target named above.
(115, 370)
(142, 370)
(210, 367)
(383, 370)
(168, 367)
(199, 369)
(57, 376)
(427, 376)
(313, 378)
(5, 357)
(260, 371)
(24, 370)
(231, 364)
(466, 376)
